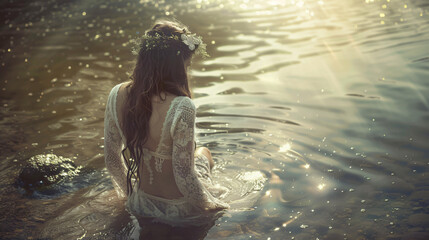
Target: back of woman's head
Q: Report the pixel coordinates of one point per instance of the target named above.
(163, 54)
(162, 58)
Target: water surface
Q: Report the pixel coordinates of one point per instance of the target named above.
(328, 99)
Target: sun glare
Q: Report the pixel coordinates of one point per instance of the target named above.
(321, 186)
(285, 148)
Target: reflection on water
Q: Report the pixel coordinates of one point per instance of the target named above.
(328, 99)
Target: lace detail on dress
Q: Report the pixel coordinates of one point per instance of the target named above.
(159, 159)
(186, 178)
(113, 145)
(146, 159)
(176, 143)
(158, 164)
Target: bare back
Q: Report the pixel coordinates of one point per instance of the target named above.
(163, 184)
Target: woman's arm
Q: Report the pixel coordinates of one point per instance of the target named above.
(183, 159)
(113, 147)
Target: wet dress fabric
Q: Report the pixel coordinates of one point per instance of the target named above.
(176, 147)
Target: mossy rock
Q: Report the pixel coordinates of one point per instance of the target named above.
(46, 169)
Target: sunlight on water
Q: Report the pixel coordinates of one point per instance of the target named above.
(315, 110)
(285, 148)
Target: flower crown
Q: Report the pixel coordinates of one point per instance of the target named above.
(161, 41)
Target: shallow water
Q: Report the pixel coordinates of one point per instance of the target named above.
(328, 99)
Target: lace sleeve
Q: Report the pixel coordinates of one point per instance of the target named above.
(113, 147)
(183, 159)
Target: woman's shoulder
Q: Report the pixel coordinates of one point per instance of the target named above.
(185, 101)
(184, 110)
(120, 87)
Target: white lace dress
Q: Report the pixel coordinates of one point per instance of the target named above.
(191, 173)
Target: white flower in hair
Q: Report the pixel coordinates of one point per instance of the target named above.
(191, 40)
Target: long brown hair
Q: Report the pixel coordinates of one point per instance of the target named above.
(161, 67)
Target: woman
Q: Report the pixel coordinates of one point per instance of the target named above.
(149, 133)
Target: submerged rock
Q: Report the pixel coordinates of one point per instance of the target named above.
(43, 170)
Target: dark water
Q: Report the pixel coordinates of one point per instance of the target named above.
(328, 99)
